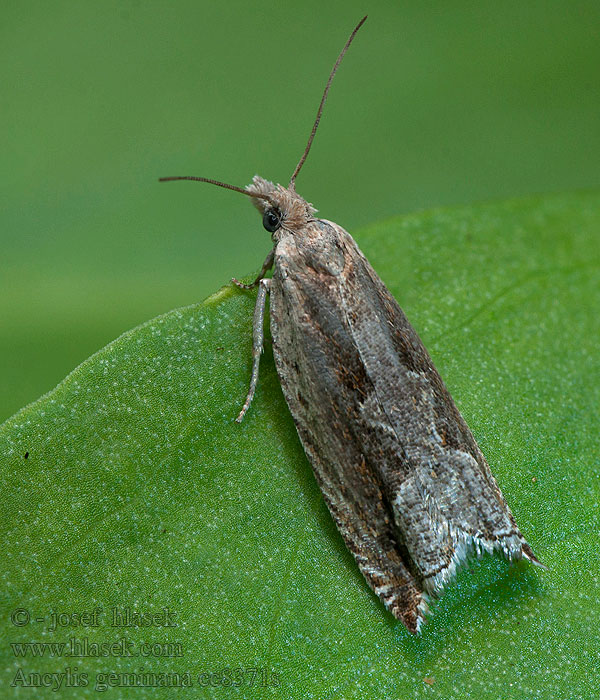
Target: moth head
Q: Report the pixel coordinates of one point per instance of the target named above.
(281, 207)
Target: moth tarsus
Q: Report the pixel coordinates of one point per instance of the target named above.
(407, 485)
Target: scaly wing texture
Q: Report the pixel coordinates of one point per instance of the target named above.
(399, 469)
(446, 502)
(314, 355)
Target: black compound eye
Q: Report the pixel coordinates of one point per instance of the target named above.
(271, 220)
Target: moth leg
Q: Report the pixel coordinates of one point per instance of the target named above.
(264, 286)
(267, 265)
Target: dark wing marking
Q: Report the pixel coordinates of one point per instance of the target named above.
(399, 469)
(446, 502)
(321, 373)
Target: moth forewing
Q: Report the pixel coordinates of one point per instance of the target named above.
(401, 473)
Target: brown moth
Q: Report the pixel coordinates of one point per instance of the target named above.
(401, 473)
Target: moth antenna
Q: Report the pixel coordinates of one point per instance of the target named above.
(215, 182)
(325, 93)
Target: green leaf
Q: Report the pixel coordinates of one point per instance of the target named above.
(130, 486)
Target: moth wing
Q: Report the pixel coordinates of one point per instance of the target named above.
(404, 479)
(445, 500)
(315, 359)
(360, 512)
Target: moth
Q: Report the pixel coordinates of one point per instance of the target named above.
(409, 489)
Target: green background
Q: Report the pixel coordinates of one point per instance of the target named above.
(437, 103)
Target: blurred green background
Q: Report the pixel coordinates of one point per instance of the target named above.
(436, 104)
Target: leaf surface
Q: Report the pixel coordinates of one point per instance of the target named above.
(129, 486)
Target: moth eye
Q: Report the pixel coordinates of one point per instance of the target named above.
(271, 220)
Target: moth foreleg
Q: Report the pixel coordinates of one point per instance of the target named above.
(257, 339)
(267, 265)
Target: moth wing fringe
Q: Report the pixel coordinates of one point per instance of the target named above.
(423, 610)
(467, 547)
